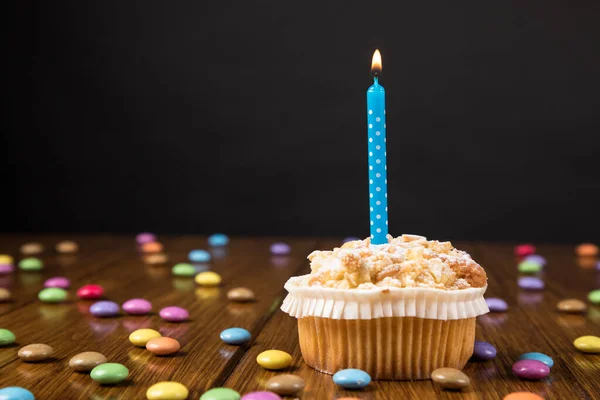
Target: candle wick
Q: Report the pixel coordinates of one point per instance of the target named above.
(376, 79)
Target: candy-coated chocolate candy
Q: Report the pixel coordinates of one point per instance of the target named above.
(31, 264)
(145, 237)
(162, 346)
(89, 292)
(6, 337)
(218, 239)
(594, 296)
(529, 267)
(174, 314)
(588, 344)
(536, 258)
(183, 269)
(35, 352)
(6, 259)
(483, 351)
(350, 239)
(155, 258)
(137, 306)
(141, 337)
(285, 384)
(496, 305)
(87, 361)
(524, 250)
(352, 378)
(6, 269)
(280, 249)
(67, 247)
(109, 373)
(104, 308)
(208, 278)
(571, 306)
(235, 336)
(15, 393)
(450, 378)
(220, 394)
(541, 357)
(260, 396)
(152, 247)
(57, 282)
(586, 250)
(274, 359)
(4, 294)
(199, 256)
(530, 369)
(530, 283)
(31, 249)
(52, 295)
(522, 396)
(241, 295)
(167, 391)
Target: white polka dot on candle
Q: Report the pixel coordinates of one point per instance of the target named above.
(370, 140)
(370, 112)
(386, 209)
(371, 208)
(378, 202)
(378, 230)
(377, 119)
(372, 222)
(378, 161)
(378, 216)
(386, 222)
(378, 175)
(371, 181)
(378, 189)
(378, 133)
(385, 125)
(370, 126)
(371, 195)
(370, 154)
(371, 167)
(378, 147)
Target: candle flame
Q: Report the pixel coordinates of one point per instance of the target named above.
(376, 64)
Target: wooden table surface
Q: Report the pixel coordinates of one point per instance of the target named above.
(531, 324)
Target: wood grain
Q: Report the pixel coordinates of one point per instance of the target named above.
(531, 324)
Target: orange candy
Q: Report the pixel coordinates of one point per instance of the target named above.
(152, 247)
(162, 346)
(523, 396)
(586, 250)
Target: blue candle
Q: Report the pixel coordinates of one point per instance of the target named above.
(377, 156)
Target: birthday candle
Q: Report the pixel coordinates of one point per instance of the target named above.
(377, 156)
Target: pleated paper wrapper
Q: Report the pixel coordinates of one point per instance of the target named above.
(392, 333)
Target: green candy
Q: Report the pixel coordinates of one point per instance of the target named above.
(109, 373)
(529, 267)
(594, 296)
(31, 264)
(184, 269)
(220, 394)
(6, 337)
(52, 295)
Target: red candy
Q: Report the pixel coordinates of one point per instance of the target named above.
(524, 250)
(88, 292)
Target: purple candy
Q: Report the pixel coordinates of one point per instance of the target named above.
(6, 269)
(145, 237)
(496, 304)
(350, 239)
(530, 369)
(260, 396)
(483, 351)
(104, 308)
(598, 266)
(57, 282)
(137, 307)
(536, 258)
(280, 249)
(174, 314)
(530, 283)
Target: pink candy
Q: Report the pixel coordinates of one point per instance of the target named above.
(137, 307)
(57, 282)
(174, 314)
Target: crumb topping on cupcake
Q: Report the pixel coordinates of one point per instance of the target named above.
(407, 261)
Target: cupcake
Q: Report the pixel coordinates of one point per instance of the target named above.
(397, 311)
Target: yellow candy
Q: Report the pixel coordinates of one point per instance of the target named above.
(274, 359)
(588, 344)
(6, 259)
(143, 336)
(167, 391)
(208, 278)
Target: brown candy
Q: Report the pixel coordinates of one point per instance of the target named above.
(4, 294)
(87, 361)
(571, 306)
(35, 352)
(450, 378)
(162, 346)
(67, 247)
(285, 384)
(155, 259)
(31, 249)
(241, 295)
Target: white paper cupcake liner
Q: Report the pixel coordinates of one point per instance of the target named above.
(427, 303)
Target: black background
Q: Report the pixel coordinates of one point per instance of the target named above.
(249, 117)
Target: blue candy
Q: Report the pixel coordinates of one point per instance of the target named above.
(538, 357)
(235, 336)
(15, 393)
(218, 239)
(352, 378)
(199, 256)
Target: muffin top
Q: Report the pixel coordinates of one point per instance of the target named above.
(408, 261)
